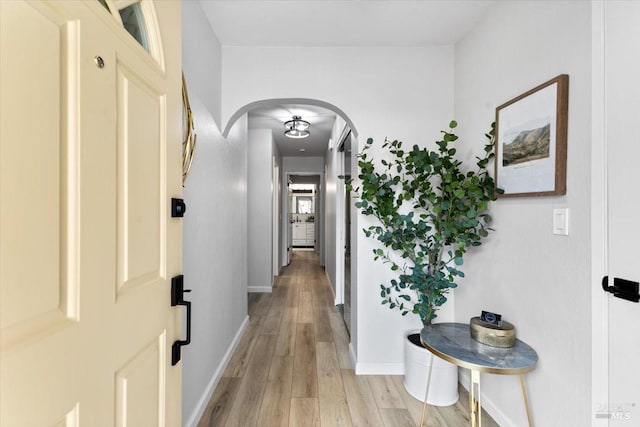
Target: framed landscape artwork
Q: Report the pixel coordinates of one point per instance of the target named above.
(531, 141)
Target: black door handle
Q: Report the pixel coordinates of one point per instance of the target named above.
(177, 298)
(622, 288)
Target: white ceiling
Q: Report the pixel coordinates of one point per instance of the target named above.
(343, 22)
(334, 23)
(320, 119)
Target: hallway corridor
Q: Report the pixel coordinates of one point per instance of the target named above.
(292, 367)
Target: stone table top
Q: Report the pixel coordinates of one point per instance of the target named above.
(453, 343)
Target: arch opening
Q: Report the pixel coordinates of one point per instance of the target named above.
(277, 101)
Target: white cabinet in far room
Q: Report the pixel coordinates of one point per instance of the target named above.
(303, 234)
(299, 232)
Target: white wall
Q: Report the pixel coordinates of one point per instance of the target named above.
(196, 34)
(402, 92)
(305, 165)
(215, 223)
(538, 281)
(259, 210)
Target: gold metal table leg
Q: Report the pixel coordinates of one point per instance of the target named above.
(475, 408)
(526, 400)
(426, 394)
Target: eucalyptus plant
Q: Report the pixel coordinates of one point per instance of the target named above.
(430, 212)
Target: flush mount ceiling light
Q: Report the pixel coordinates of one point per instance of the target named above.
(296, 128)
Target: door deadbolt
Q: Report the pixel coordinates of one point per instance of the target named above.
(99, 61)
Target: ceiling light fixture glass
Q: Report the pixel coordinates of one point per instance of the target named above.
(296, 128)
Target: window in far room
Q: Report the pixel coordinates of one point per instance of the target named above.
(305, 205)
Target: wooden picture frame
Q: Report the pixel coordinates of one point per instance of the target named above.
(531, 141)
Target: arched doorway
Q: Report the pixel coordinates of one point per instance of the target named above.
(324, 157)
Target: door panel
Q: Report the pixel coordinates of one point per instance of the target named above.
(33, 174)
(139, 387)
(71, 419)
(622, 106)
(90, 160)
(141, 236)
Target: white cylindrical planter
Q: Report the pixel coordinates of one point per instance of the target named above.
(443, 390)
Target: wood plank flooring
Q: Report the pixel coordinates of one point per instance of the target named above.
(292, 367)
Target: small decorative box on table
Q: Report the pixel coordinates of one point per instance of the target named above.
(496, 336)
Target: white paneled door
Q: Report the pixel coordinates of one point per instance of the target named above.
(622, 117)
(90, 157)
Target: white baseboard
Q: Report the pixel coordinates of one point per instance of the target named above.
(379, 368)
(352, 354)
(487, 404)
(195, 416)
(259, 289)
(333, 293)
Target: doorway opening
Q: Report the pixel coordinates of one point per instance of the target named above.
(304, 213)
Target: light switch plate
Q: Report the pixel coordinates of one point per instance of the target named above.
(561, 222)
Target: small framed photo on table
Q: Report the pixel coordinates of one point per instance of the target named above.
(531, 141)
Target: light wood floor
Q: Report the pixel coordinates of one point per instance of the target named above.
(292, 367)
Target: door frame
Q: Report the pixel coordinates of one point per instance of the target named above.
(599, 306)
(599, 222)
